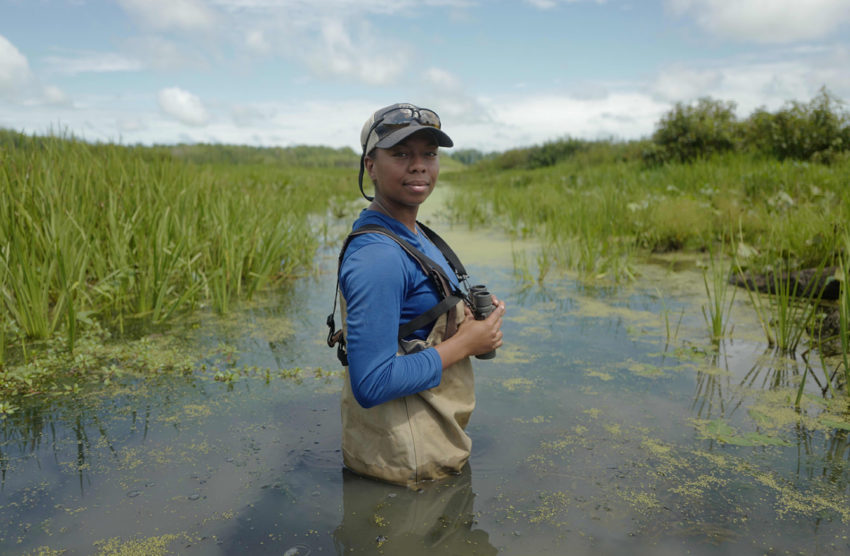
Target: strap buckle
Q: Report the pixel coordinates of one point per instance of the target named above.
(334, 335)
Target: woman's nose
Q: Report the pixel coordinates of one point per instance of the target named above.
(417, 162)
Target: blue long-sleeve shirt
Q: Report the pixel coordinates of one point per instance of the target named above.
(384, 287)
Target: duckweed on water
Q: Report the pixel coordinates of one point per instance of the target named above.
(518, 383)
(672, 478)
(152, 546)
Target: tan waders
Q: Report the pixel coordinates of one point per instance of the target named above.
(418, 437)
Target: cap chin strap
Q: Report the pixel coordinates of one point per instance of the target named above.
(360, 178)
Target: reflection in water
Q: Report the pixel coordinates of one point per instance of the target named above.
(438, 519)
(771, 371)
(822, 441)
(708, 400)
(34, 429)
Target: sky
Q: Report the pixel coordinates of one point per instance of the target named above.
(500, 73)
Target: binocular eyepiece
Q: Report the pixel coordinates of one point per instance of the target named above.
(482, 306)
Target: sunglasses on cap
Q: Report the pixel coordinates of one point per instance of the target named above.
(398, 118)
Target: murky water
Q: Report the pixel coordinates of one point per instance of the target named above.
(608, 424)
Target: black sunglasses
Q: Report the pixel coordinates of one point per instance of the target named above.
(398, 118)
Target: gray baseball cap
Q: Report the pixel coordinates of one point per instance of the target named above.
(392, 124)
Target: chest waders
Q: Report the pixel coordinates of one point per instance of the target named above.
(421, 436)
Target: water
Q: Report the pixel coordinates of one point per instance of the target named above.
(596, 432)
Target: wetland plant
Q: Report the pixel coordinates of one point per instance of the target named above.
(787, 312)
(106, 232)
(717, 288)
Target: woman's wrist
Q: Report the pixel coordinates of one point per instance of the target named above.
(450, 352)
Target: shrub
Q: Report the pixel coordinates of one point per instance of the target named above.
(552, 152)
(467, 156)
(816, 131)
(689, 132)
(538, 156)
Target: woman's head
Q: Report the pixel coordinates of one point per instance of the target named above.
(394, 124)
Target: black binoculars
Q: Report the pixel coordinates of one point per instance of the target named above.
(482, 305)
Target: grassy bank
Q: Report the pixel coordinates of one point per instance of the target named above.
(597, 208)
(101, 233)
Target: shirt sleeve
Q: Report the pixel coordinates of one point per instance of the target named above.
(373, 283)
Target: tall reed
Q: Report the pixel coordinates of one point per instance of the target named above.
(107, 232)
(787, 312)
(716, 312)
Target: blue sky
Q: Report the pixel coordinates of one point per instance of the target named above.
(501, 73)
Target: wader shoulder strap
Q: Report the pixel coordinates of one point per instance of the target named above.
(451, 257)
(433, 270)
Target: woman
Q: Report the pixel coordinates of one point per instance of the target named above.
(409, 388)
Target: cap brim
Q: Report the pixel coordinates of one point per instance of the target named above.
(400, 135)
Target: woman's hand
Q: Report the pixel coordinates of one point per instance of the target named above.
(473, 337)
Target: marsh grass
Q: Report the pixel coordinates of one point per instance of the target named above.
(596, 211)
(789, 310)
(717, 290)
(105, 233)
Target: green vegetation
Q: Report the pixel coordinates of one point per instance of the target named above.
(775, 182)
(787, 314)
(709, 176)
(817, 131)
(594, 209)
(689, 132)
(104, 233)
(300, 156)
(720, 300)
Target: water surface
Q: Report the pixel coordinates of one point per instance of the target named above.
(608, 423)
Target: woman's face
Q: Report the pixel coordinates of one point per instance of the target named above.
(404, 175)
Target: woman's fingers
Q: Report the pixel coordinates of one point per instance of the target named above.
(499, 311)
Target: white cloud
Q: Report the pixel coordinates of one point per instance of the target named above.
(15, 72)
(448, 95)
(163, 54)
(55, 95)
(19, 85)
(684, 83)
(256, 41)
(304, 7)
(541, 118)
(791, 74)
(91, 62)
(187, 15)
(130, 125)
(549, 4)
(441, 78)
(767, 21)
(363, 58)
(250, 115)
(183, 106)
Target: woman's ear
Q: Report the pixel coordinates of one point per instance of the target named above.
(369, 164)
